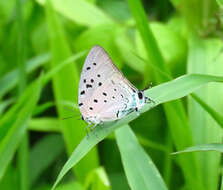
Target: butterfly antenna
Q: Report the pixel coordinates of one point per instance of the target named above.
(148, 87)
(150, 100)
(67, 117)
(71, 117)
(69, 109)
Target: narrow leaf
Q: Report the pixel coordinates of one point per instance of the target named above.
(139, 168)
(81, 12)
(10, 142)
(202, 148)
(215, 115)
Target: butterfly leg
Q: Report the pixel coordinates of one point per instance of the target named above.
(89, 126)
(92, 129)
(137, 111)
(148, 100)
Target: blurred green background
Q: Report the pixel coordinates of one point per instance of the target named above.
(43, 45)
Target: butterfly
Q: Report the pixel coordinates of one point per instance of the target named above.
(104, 94)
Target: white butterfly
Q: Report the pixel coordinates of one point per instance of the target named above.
(104, 93)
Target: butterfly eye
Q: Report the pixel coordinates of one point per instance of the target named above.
(140, 95)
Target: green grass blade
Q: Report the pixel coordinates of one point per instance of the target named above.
(9, 180)
(180, 87)
(139, 168)
(23, 157)
(102, 35)
(202, 148)
(127, 49)
(10, 142)
(45, 124)
(172, 46)
(101, 132)
(49, 75)
(43, 107)
(220, 3)
(23, 149)
(5, 104)
(38, 160)
(9, 81)
(81, 12)
(215, 115)
(97, 179)
(6, 120)
(152, 49)
(65, 88)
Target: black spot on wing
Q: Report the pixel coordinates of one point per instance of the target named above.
(104, 94)
(88, 68)
(92, 80)
(95, 100)
(81, 104)
(82, 92)
(117, 114)
(99, 84)
(94, 64)
(88, 86)
(133, 90)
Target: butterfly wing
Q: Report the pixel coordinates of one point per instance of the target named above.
(99, 77)
(112, 101)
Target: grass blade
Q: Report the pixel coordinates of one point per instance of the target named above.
(215, 115)
(81, 12)
(139, 168)
(97, 179)
(23, 149)
(5, 104)
(7, 120)
(45, 125)
(10, 142)
(180, 87)
(65, 88)
(38, 160)
(202, 148)
(9, 81)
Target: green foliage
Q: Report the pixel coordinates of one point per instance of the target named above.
(175, 44)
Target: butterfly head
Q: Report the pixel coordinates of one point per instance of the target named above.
(142, 99)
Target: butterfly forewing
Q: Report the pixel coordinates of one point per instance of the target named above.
(103, 90)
